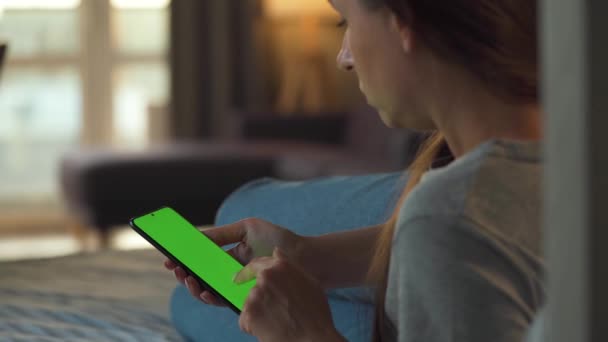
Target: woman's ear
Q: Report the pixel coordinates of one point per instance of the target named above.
(404, 31)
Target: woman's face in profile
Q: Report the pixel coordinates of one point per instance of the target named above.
(380, 51)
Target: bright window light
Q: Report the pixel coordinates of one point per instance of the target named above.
(140, 4)
(39, 4)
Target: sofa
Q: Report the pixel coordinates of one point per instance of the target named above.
(103, 188)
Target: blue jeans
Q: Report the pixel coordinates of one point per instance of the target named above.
(308, 208)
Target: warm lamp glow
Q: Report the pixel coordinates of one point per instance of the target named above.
(298, 8)
(303, 67)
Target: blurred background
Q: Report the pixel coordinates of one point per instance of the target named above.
(76, 73)
(110, 108)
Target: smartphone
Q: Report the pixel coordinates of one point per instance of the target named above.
(200, 257)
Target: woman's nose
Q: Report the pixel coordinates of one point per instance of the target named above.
(345, 58)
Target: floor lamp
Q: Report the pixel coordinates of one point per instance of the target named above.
(304, 67)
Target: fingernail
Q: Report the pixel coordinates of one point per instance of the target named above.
(187, 282)
(237, 279)
(203, 298)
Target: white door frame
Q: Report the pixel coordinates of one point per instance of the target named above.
(575, 65)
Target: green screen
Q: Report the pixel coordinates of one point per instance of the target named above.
(197, 252)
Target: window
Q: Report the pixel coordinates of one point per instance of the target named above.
(77, 72)
(140, 77)
(39, 95)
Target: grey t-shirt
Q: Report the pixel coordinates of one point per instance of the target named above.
(466, 260)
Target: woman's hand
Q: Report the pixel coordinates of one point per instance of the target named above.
(254, 237)
(286, 304)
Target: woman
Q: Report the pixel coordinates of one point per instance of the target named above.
(460, 259)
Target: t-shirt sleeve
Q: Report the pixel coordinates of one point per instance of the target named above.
(454, 285)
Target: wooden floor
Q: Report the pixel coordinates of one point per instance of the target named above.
(49, 244)
(44, 233)
(34, 221)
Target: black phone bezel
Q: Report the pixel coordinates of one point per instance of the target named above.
(202, 282)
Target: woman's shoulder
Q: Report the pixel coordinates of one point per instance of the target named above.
(495, 190)
(442, 191)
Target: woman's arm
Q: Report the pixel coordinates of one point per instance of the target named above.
(451, 280)
(339, 259)
(335, 260)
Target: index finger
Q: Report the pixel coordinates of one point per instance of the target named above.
(226, 235)
(252, 269)
(256, 266)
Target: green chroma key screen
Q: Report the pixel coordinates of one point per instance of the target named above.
(195, 251)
